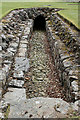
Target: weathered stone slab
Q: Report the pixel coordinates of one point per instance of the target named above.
(18, 75)
(23, 45)
(16, 83)
(64, 56)
(27, 31)
(3, 36)
(16, 39)
(4, 46)
(7, 62)
(15, 96)
(24, 41)
(8, 55)
(11, 49)
(21, 63)
(67, 63)
(76, 106)
(22, 52)
(25, 37)
(10, 37)
(14, 45)
(6, 68)
(75, 86)
(20, 107)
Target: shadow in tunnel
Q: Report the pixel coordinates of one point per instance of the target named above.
(39, 23)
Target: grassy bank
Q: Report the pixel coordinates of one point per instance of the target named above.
(70, 9)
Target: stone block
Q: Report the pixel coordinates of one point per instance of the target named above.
(23, 41)
(14, 45)
(18, 74)
(67, 63)
(2, 78)
(25, 37)
(4, 45)
(22, 45)
(12, 50)
(75, 86)
(21, 64)
(16, 83)
(76, 106)
(7, 56)
(22, 52)
(7, 62)
(6, 69)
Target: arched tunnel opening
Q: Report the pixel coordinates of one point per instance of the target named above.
(39, 23)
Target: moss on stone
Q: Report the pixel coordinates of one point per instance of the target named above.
(7, 112)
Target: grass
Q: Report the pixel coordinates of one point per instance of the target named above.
(70, 11)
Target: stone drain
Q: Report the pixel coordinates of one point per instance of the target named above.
(35, 83)
(32, 86)
(38, 79)
(36, 65)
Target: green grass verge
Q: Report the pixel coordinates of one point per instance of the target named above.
(70, 11)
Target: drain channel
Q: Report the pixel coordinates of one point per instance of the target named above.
(42, 79)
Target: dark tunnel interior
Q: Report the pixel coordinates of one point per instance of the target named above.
(39, 23)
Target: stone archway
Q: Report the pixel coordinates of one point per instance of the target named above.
(39, 23)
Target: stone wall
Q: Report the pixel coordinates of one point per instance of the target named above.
(13, 29)
(64, 44)
(65, 48)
